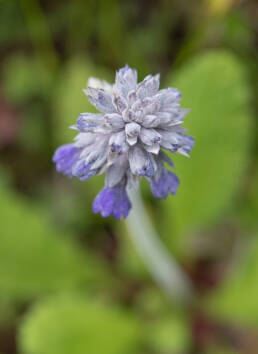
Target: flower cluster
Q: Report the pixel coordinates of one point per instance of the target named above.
(126, 140)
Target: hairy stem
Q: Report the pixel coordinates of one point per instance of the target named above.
(161, 264)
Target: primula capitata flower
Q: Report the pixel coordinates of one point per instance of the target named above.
(127, 139)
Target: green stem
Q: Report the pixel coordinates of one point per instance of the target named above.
(163, 267)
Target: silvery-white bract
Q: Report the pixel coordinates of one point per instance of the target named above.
(126, 140)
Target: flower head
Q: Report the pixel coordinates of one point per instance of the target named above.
(127, 139)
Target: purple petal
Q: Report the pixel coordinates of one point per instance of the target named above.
(112, 201)
(83, 171)
(124, 70)
(126, 80)
(165, 183)
(104, 202)
(141, 162)
(148, 87)
(101, 99)
(176, 142)
(65, 157)
(164, 157)
(116, 172)
(188, 143)
(89, 121)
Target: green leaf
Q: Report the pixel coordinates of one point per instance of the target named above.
(36, 259)
(72, 324)
(70, 100)
(215, 88)
(171, 335)
(236, 300)
(248, 211)
(168, 329)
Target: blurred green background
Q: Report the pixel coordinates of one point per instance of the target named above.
(70, 281)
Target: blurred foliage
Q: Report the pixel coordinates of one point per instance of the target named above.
(19, 79)
(236, 299)
(75, 324)
(70, 281)
(171, 334)
(36, 259)
(221, 124)
(219, 6)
